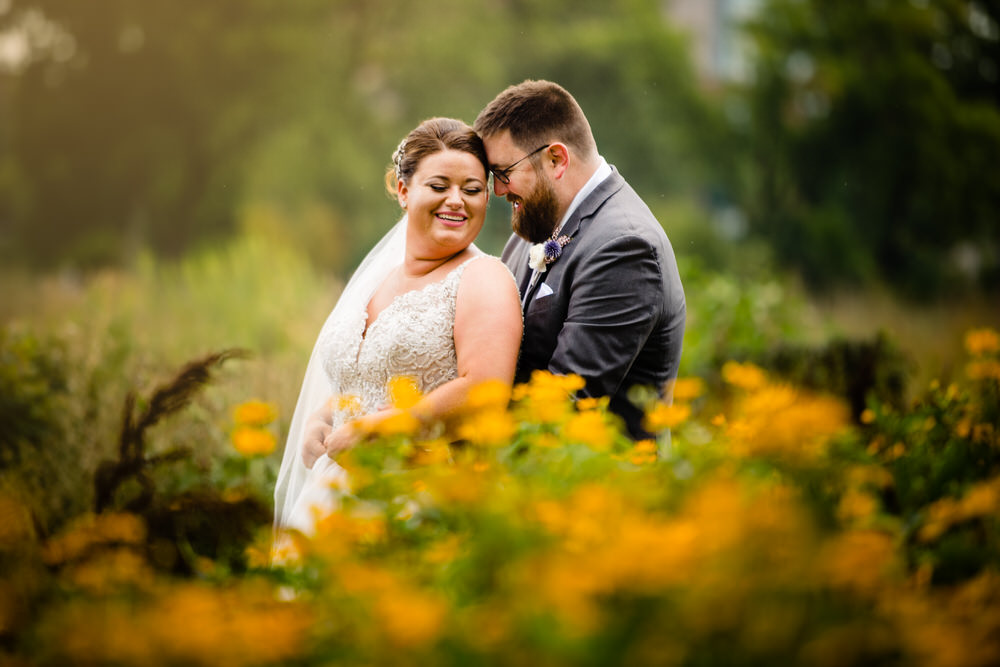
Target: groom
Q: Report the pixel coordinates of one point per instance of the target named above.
(601, 294)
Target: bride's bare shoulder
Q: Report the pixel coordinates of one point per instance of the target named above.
(487, 267)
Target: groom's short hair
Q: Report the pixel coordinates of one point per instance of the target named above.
(537, 112)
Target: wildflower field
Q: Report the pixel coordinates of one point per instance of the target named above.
(798, 508)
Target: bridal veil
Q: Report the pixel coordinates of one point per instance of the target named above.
(387, 254)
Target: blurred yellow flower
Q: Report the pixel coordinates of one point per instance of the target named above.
(251, 441)
(745, 376)
(410, 617)
(111, 570)
(404, 392)
(493, 428)
(940, 516)
(589, 428)
(400, 422)
(663, 416)
(643, 452)
(983, 369)
(867, 416)
(979, 342)
(856, 507)
(779, 420)
(185, 624)
(686, 389)
(591, 403)
(90, 530)
(982, 499)
(860, 561)
(869, 475)
(254, 413)
(489, 394)
(547, 398)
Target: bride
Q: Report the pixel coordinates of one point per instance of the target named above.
(425, 303)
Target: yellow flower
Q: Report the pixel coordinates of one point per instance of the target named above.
(488, 427)
(686, 389)
(589, 428)
(399, 423)
(404, 392)
(90, 530)
(940, 516)
(983, 499)
(663, 416)
(867, 416)
(779, 420)
(869, 475)
(254, 413)
(643, 452)
(410, 617)
(589, 403)
(110, 570)
(860, 561)
(250, 441)
(979, 342)
(745, 376)
(489, 394)
(856, 506)
(546, 399)
(984, 369)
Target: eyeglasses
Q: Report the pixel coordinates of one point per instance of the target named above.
(503, 175)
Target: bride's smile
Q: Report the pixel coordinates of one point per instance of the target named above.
(445, 201)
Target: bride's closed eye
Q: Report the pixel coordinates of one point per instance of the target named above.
(472, 191)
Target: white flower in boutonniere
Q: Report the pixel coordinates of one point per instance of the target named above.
(542, 254)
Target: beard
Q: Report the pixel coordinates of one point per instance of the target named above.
(535, 216)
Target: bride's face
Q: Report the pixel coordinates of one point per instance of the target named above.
(445, 200)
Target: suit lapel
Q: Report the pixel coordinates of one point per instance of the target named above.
(593, 202)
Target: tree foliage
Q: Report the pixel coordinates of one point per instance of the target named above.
(874, 137)
(152, 123)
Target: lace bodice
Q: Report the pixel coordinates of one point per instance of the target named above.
(413, 336)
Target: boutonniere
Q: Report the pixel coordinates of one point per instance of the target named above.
(542, 254)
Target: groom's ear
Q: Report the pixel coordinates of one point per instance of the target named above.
(558, 157)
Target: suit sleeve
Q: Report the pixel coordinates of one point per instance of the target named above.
(617, 298)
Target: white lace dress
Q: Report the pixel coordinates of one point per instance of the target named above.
(413, 336)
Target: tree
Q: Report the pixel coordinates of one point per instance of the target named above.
(131, 119)
(875, 133)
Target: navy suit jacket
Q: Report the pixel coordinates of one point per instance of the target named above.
(612, 309)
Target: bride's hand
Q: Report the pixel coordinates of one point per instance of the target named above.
(317, 430)
(342, 439)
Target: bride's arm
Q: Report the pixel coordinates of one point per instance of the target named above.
(488, 326)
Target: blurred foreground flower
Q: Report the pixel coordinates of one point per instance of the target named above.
(786, 422)
(254, 413)
(748, 377)
(980, 342)
(250, 441)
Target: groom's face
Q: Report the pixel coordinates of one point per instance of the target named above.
(533, 201)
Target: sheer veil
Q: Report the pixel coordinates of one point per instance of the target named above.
(316, 388)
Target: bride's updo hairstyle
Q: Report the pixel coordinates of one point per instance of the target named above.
(432, 136)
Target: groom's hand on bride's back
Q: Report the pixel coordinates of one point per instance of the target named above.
(316, 431)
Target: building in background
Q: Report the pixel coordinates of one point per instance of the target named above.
(719, 51)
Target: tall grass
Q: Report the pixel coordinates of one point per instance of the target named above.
(124, 331)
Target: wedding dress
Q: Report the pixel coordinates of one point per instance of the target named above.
(413, 336)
